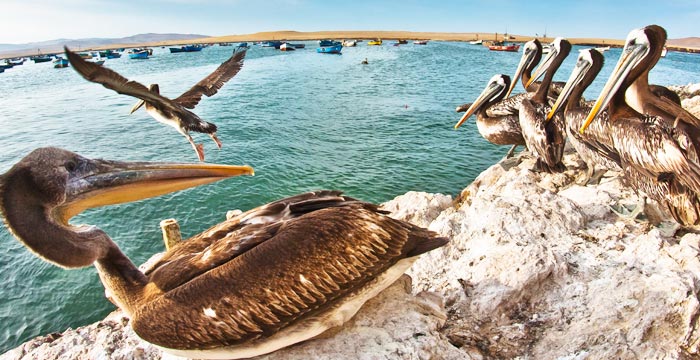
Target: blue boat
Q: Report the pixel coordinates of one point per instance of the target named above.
(186, 48)
(138, 54)
(327, 43)
(335, 49)
(109, 54)
(243, 45)
(274, 44)
(60, 63)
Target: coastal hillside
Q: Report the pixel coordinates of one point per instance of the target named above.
(537, 267)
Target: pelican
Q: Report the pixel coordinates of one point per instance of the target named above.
(170, 112)
(495, 124)
(657, 157)
(546, 138)
(268, 278)
(532, 54)
(594, 146)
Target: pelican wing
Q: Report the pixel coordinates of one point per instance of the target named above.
(112, 80)
(325, 248)
(211, 84)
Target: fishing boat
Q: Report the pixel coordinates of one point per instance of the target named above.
(402, 41)
(476, 42)
(41, 58)
(602, 49)
(16, 62)
(334, 49)
(501, 46)
(60, 63)
(110, 54)
(374, 42)
(350, 43)
(5, 66)
(420, 42)
(138, 54)
(186, 48)
(327, 43)
(274, 44)
(224, 44)
(286, 47)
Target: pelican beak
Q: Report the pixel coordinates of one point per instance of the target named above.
(631, 56)
(576, 76)
(491, 90)
(137, 106)
(107, 182)
(542, 68)
(525, 60)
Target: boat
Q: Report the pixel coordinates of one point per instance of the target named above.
(275, 44)
(547, 48)
(286, 47)
(299, 46)
(476, 42)
(402, 42)
(327, 43)
(6, 66)
(420, 42)
(186, 48)
(138, 54)
(110, 54)
(335, 49)
(16, 62)
(41, 58)
(242, 45)
(603, 48)
(224, 44)
(374, 42)
(60, 63)
(664, 51)
(501, 46)
(350, 43)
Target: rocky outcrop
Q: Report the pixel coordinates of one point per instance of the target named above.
(538, 267)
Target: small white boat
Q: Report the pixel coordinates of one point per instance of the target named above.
(603, 49)
(349, 43)
(287, 47)
(477, 42)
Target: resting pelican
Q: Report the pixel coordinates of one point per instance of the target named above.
(546, 138)
(658, 158)
(496, 125)
(170, 112)
(532, 54)
(268, 278)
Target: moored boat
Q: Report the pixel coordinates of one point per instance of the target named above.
(349, 43)
(327, 43)
(335, 49)
(242, 45)
(501, 46)
(420, 42)
(41, 58)
(138, 54)
(402, 41)
(602, 48)
(476, 42)
(275, 44)
(286, 47)
(375, 42)
(60, 63)
(186, 48)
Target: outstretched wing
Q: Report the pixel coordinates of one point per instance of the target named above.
(112, 80)
(212, 83)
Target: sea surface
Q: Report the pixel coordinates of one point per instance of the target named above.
(303, 120)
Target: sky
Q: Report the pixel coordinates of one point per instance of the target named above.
(23, 21)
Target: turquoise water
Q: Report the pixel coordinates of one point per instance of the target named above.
(303, 120)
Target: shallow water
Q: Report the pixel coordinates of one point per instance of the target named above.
(303, 120)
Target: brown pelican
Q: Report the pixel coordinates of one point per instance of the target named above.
(268, 278)
(658, 158)
(532, 54)
(495, 121)
(546, 138)
(594, 146)
(170, 112)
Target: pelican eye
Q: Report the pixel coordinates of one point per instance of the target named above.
(71, 165)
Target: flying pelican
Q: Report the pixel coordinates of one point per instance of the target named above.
(493, 118)
(268, 278)
(658, 158)
(170, 112)
(546, 138)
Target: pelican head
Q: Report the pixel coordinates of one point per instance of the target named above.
(495, 89)
(587, 59)
(641, 52)
(43, 191)
(152, 88)
(560, 49)
(532, 54)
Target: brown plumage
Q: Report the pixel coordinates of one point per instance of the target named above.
(270, 277)
(170, 112)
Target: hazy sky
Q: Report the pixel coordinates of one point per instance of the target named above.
(24, 21)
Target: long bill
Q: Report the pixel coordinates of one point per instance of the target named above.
(136, 106)
(575, 78)
(115, 182)
(542, 68)
(526, 59)
(630, 57)
(489, 92)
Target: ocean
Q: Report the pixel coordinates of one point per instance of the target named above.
(303, 120)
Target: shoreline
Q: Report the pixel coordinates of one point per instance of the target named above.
(339, 35)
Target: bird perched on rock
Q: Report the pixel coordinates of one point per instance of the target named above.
(170, 112)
